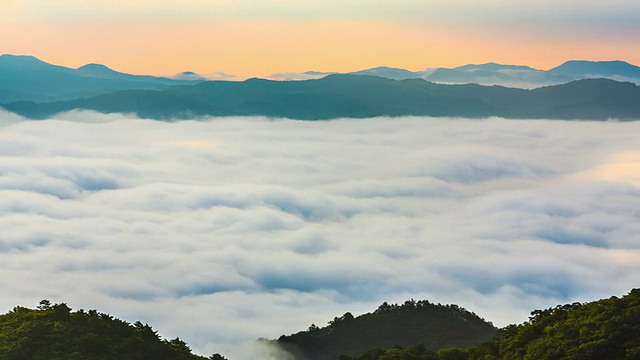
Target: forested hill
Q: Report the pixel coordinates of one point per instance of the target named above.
(358, 96)
(605, 329)
(435, 326)
(54, 332)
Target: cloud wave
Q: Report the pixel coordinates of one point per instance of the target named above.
(230, 229)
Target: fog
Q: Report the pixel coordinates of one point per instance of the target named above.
(225, 230)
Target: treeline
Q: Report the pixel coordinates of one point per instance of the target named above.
(605, 329)
(54, 332)
(434, 325)
(416, 330)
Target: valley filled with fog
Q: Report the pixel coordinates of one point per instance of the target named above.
(225, 230)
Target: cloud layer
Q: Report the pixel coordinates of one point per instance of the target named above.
(227, 230)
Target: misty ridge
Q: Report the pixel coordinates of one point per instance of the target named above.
(574, 90)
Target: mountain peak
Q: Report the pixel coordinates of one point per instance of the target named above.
(609, 68)
(601, 62)
(94, 66)
(389, 72)
(10, 56)
(22, 61)
(96, 70)
(188, 75)
(492, 66)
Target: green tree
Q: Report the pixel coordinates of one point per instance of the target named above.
(452, 354)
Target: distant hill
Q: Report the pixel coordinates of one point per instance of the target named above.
(359, 96)
(189, 75)
(36, 89)
(390, 73)
(518, 76)
(435, 326)
(497, 74)
(597, 69)
(27, 78)
(493, 67)
(483, 74)
(526, 77)
(54, 332)
(605, 329)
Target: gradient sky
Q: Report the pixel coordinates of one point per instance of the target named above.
(260, 37)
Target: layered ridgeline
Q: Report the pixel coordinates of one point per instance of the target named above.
(519, 76)
(581, 90)
(26, 78)
(359, 96)
(54, 332)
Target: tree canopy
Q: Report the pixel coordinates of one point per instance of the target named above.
(436, 326)
(604, 329)
(55, 332)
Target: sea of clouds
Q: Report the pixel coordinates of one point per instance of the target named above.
(225, 230)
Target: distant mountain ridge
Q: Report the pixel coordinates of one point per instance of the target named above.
(390, 73)
(36, 89)
(519, 76)
(522, 76)
(27, 78)
(587, 69)
(497, 74)
(358, 96)
(491, 66)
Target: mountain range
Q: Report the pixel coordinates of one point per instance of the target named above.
(28, 78)
(358, 96)
(497, 74)
(37, 90)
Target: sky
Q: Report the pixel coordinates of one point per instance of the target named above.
(222, 231)
(225, 230)
(261, 37)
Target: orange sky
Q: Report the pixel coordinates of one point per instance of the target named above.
(260, 37)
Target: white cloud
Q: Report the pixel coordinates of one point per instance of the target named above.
(226, 230)
(292, 76)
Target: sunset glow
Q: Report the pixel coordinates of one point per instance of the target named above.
(289, 161)
(262, 37)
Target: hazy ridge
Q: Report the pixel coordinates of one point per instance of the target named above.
(37, 90)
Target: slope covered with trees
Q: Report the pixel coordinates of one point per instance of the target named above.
(434, 325)
(54, 332)
(605, 329)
